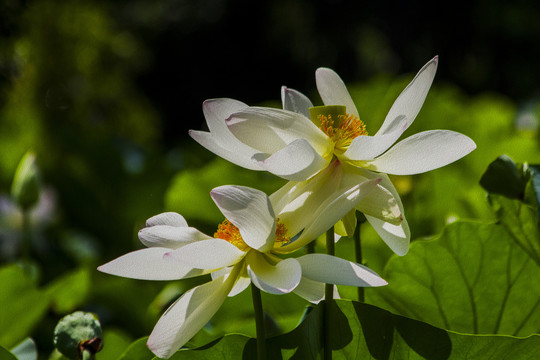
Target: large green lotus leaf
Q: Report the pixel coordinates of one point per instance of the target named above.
(471, 279)
(22, 305)
(361, 331)
(189, 193)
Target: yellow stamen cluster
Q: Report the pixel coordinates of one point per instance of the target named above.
(229, 232)
(344, 131)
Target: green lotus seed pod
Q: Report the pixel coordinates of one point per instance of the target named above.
(26, 185)
(77, 332)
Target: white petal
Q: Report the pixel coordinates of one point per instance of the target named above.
(206, 254)
(220, 140)
(333, 90)
(293, 100)
(329, 213)
(269, 130)
(312, 291)
(397, 237)
(281, 278)
(382, 204)
(297, 161)
(250, 211)
(423, 152)
(410, 101)
(167, 218)
(333, 270)
(369, 147)
(183, 319)
(171, 237)
(231, 150)
(148, 264)
(242, 282)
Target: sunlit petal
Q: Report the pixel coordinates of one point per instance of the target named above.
(206, 254)
(410, 101)
(397, 237)
(333, 90)
(187, 316)
(148, 264)
(333, 270)
(313, 291)
(269, 130)
(280, 278)
(168, 236)
(242, 282)
(250, 211)
(297, 161)
(293, 100)
(167, 218)
(423, 152)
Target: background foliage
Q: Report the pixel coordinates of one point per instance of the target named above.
(104, 92)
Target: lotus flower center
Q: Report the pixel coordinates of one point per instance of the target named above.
(229, 232)
(340, 127)
(342, 130)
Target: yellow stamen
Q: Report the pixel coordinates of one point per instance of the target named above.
(228, 232)
(344, 131)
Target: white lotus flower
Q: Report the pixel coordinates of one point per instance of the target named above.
(301, 141)
(240, 254)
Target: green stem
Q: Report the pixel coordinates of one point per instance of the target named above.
(259, 322)
(328, 297)
(25, 238)
(360, 218)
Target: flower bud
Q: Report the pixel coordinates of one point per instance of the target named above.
(76, 333)
(26, 185)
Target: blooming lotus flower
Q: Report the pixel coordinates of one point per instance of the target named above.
(242, 251)
(300, 141)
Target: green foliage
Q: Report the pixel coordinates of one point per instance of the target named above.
(471, 279)
(137, 351)
(22, 305)
(6, 355)
(362, 331)
(69, 291)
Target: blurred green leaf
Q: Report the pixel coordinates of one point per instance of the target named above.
(114, 344)
(472, 279)
(361, 331)
(22, 305)
(69, 291)
(6, 355)
(137, 351)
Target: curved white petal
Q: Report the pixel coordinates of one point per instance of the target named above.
(333, 270)
(187, 316)
(297, 161)
(367, 147)
(250, 211)
(220, 140)
(382, 204)
(171, 237)
(312, 291)
(241, 284)
(206, 254)
(231, 150)
(269, 130)
(148, 264)
(423, 152)
(397, 237)
(410, 101)
(293, 100)
(333, 90)
(167, 218)
(329, 213)
(280, 278)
